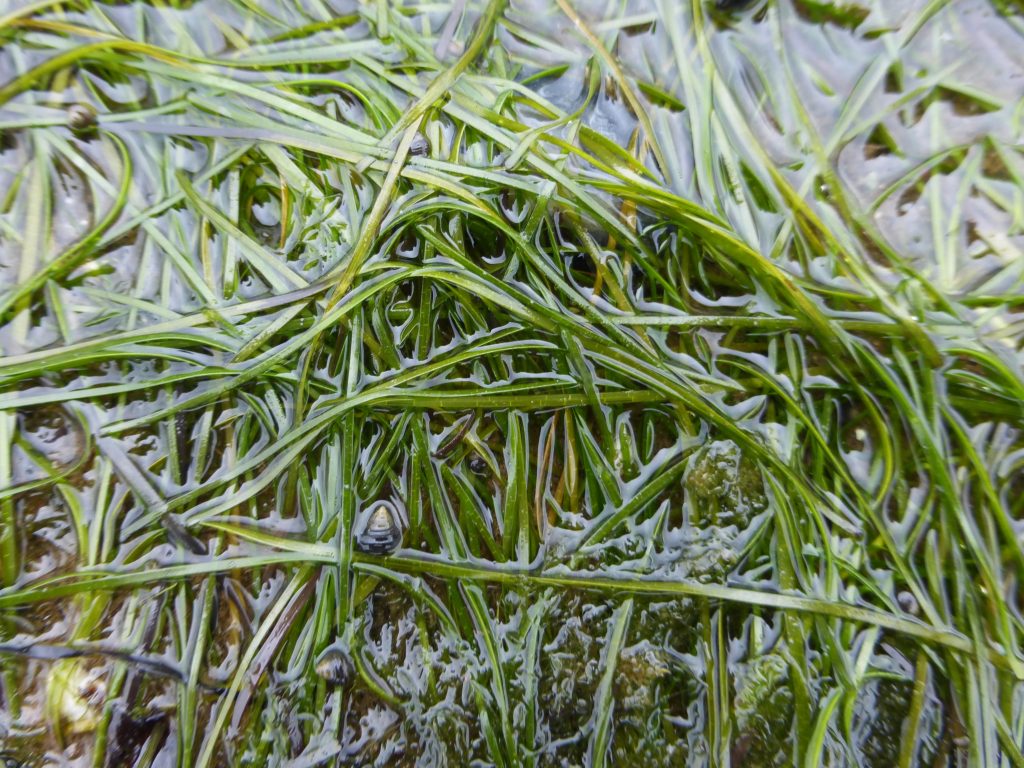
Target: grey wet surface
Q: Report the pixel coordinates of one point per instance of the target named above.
(681, 341)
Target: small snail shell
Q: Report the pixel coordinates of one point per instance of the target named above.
(335, 665)
(381, 535)
(81, 118)
(419, 146)
(908, 603)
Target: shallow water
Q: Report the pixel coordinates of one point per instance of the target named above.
(683, 340)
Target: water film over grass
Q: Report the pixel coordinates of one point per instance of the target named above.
(511, 382)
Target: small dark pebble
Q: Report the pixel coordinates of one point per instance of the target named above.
(477, 466)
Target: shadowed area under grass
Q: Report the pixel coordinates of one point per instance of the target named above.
(511, 382)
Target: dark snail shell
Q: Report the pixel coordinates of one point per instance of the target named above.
(381, 534)
(478, 466)
(81, 118)
(908, 603)
(335, 665)
(419, 147)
